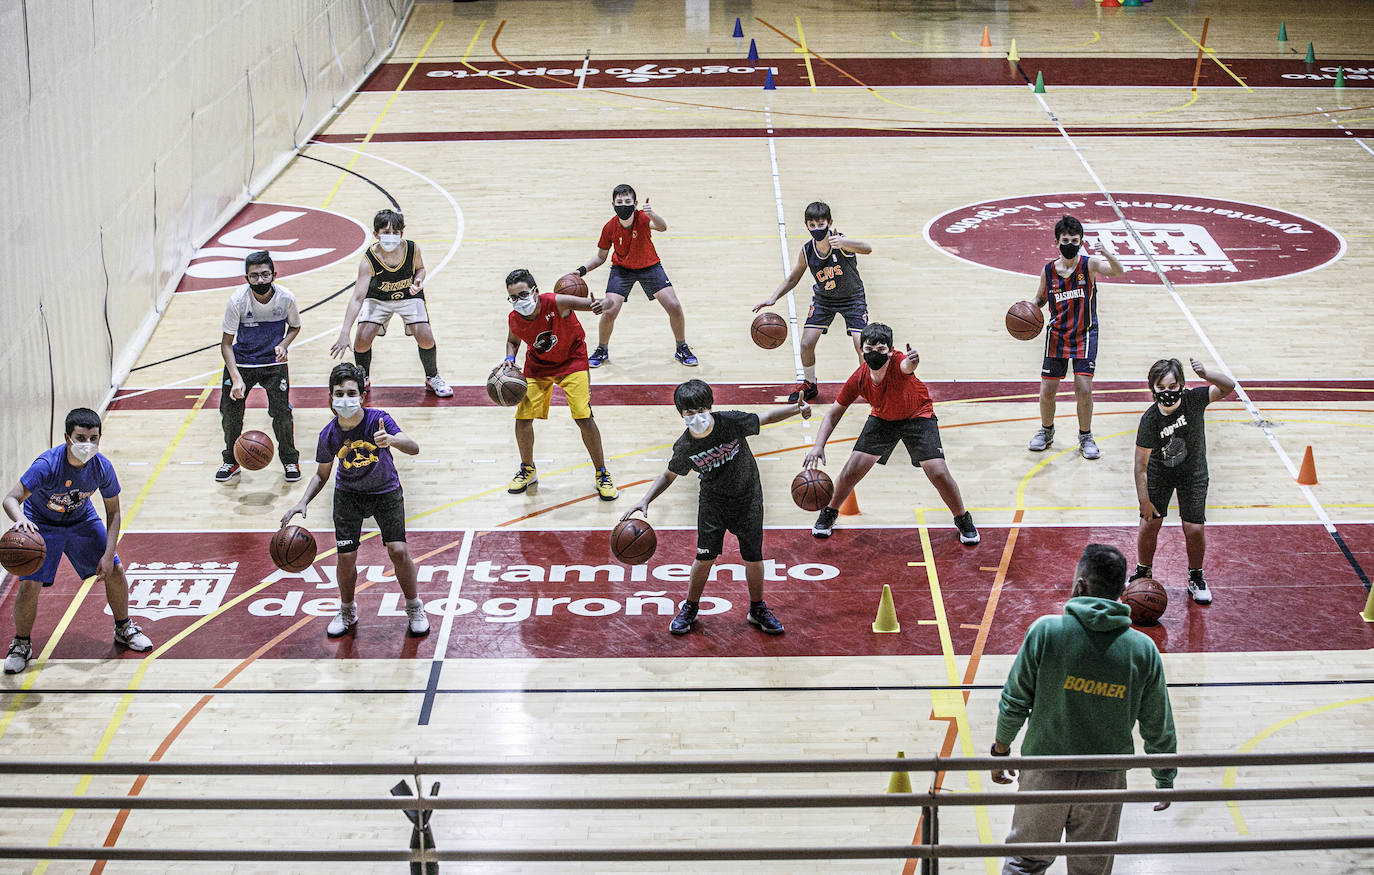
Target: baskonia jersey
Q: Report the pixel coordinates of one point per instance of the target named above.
(1073, 310)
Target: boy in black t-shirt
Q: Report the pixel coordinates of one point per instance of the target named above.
(1171, 455)
(716, 446)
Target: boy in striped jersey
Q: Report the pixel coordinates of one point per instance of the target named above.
(1069, 286)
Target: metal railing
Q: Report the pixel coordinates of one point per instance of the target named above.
(929, 850)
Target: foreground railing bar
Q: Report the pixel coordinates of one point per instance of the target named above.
(587, 855)
(594, 803)
(936, 764)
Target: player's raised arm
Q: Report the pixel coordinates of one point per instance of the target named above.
(778, 414)
(1106, 264)
(850, 245)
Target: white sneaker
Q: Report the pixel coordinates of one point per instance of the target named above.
(437, 385)
(133, 638)
(419, 623)
(1199, 592)
(1042, 440)
(18, 658)
(344, 622)
(1088, 447)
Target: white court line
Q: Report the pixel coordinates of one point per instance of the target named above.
(582, 75)
(1259, 420)
(1333, 121)
(195, 377)
(786, 262)
(455, 587)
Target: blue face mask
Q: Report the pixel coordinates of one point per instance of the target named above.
(819, 234)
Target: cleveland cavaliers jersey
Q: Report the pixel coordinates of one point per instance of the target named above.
(836, 275)
(1073, 310)
(389, 284)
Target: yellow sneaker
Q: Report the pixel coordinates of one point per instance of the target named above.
(523, 479)
(604, 487)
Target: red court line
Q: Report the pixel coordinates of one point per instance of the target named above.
(1197, 71)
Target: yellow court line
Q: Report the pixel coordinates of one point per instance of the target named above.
(805, 53)
(1229, 779)
(378, 122)
(949, 704)
(1211, 53)
(933, 578)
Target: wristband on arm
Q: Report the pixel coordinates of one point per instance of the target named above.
(581, 270)
(510, 358)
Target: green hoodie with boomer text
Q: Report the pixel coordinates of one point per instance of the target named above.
(1084, 679)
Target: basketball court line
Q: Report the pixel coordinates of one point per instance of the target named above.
(1211, 53)
(436, 667)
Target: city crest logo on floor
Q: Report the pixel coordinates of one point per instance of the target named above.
(1193, 240)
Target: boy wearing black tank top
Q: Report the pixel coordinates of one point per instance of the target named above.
(391, 282)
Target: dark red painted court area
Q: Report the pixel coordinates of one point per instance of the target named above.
(636, 395)
(558, 594)
(791, 71)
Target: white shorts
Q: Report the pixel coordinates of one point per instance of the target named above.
(411, 310)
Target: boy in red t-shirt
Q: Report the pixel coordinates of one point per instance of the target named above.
(557, 353)
(630, 234)
(902, 411)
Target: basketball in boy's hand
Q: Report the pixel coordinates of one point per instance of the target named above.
(633, 541)
(22, 552)
(253, 450)
(571, 284)
(506, 386)
(769, 330)
(812, 489)
(1146, 599)
(1024, 320)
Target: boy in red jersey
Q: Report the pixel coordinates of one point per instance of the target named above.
(635, 260)
(902, 411)
(557, 353)
(1069, 285)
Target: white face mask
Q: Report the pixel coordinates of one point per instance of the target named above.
(347, 408)
(389, 241)
(698, 423)
(525, 306)
(84, 452)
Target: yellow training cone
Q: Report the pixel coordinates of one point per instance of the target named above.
(886, 621)
(900, 782)
(1011, 55)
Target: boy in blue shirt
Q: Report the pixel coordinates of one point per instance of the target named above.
(53, 499)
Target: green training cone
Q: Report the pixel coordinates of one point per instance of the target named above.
(1039, 82)
(1311, 55)
(1283, 33)
(1340, 77)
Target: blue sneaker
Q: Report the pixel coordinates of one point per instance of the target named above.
(684, 355)
(763, 618)
(599, 357)
(686, 616)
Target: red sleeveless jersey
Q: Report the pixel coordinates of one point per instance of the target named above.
(557, 345)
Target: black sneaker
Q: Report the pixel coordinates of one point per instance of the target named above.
(599, 357)
(825, 523)
(968, 532)
(682, 623)
(763, 618)
(293, 472)
(1140, 571)
(227, 470)
(806, 390)
(685, 355)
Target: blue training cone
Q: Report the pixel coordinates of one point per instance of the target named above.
(753, 52)
(739, 31)
(768, 81)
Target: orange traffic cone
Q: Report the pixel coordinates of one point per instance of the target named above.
(850, 507)
(986, 43)
(1307, 474)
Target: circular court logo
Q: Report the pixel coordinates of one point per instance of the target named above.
(300, 239)
(1191, 239)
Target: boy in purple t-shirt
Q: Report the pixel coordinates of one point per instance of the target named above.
(55, 494)
(361, 438)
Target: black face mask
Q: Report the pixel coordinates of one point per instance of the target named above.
(1068, 250)
(624, 211)
(1168, 397)
(819, 234)
(875, 360)
(260, 288)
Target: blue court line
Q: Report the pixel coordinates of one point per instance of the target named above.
(431, 688)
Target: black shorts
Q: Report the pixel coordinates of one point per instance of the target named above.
(1192, 494)
(921, 435)
(351, 508)
(651, 279)
(823, 312)
(744, 520)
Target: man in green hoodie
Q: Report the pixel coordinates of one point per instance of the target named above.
(1083, 679)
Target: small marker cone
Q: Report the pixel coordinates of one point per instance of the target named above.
(1011, 55)
(1039, 82)
(986, 43)
(1340, 77)
(1131, 3)
(886, 620)
(850, 506)
(1311, 55)
(900, 782)
(753, 52)
(1111, 4)
(768, 81)
(739, 30)
(1283, 32)
(1307, 474)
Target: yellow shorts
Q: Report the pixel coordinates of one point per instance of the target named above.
(539, 392)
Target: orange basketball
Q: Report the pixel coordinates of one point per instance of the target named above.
(769, 330)
(22, 552)
(253, 450)
(1024, 320)
(1147, 600)
(506, 386)
(812, 489)
(633, 541)
(571, 284)
(292, 549)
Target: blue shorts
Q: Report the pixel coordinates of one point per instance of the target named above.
(83, 544)
(1054, 368)
(652, 280)
(824, 310)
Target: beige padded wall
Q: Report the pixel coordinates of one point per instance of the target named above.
(135, 128)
